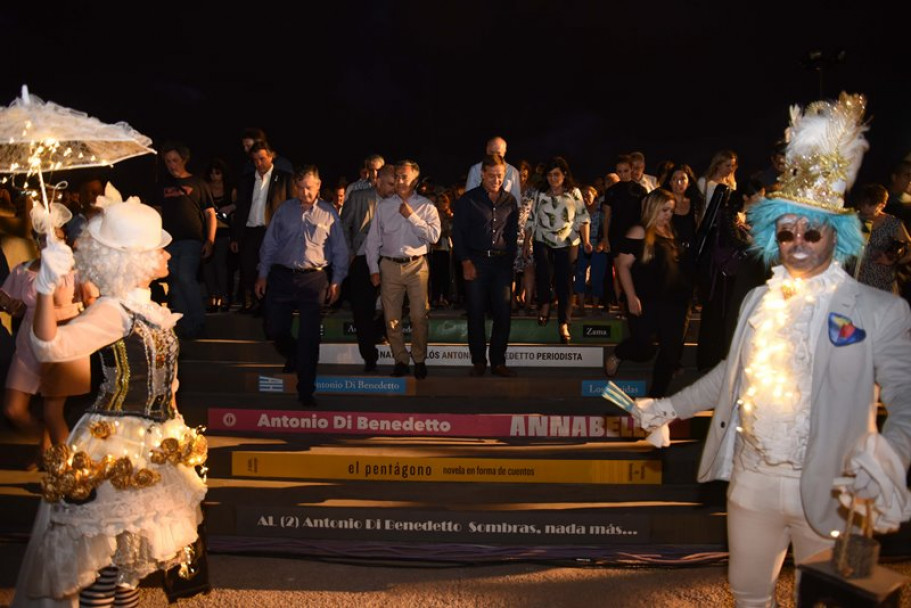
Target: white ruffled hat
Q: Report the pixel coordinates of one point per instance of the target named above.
(42, 221)
(127, 225)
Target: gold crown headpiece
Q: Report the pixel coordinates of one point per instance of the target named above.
(825, 146)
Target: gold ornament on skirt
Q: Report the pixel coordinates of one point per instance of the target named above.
(101, 429)
(73, 476)
(191, 450)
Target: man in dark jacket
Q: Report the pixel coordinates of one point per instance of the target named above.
(259, 194)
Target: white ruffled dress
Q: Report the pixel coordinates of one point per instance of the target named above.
(144, 523)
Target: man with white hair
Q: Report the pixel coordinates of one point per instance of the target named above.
(302, 263)
(496, 146)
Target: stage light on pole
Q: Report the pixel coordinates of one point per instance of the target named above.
(819, 61)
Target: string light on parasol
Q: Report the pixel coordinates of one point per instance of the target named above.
(39, 136)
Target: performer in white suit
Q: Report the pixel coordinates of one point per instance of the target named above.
(814, 351)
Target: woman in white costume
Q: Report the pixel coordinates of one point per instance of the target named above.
(122, 498)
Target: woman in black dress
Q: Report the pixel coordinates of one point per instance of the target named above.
(658, 291)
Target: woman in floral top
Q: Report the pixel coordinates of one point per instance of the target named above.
(887, 241)
(557, 223)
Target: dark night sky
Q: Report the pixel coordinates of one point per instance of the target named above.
(433, 80)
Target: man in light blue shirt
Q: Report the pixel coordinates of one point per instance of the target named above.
(404, 227)
(302, 263)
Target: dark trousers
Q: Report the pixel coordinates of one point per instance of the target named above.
(610, 294)
(554, 264)
(666, 321)
(490, 290)
(249, 256)
(712, 342)
(184, 296)
(439, 275)
(596, 265)
(363, 296)
(215, 269)
(305, 292)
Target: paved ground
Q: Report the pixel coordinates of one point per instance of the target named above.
(254, 582)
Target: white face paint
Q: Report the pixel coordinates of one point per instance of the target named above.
(804, 258)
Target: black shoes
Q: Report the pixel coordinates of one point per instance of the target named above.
(478, 369)
(254, 308)
(369, 367)
(420, 370)
(502, 371)
(544, 315)
(307, 401)
(400, 369)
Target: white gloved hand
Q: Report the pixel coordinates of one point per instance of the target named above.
(652, 414)
(660, 437)
(878, 475)
(56, 261)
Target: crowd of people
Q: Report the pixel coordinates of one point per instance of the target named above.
(788, 382)
(650, 248)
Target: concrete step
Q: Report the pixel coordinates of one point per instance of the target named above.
(298, 504)
(447, 326)
(451, 534)
(215, 384)
(484, 462)
(439, 355)
(519, 428)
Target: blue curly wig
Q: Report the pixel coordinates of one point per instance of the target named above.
(763, 216)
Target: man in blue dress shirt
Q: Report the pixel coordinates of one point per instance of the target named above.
(484, 233)
(302, 263)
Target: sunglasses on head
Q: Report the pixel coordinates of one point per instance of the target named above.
(811, 235)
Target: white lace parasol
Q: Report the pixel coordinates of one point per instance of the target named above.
(38, 136)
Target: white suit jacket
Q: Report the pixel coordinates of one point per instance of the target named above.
(844, 394)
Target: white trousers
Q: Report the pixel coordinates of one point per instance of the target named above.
(765, 515)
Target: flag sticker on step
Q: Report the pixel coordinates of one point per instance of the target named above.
(268, 384)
